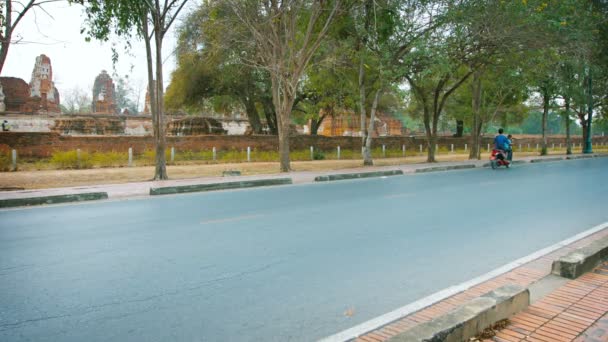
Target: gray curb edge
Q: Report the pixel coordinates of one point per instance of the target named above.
(470, 318)
(29, 201)
(355, 175)
(179, 189)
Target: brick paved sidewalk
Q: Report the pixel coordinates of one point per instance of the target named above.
(577, 311)
(578, 307)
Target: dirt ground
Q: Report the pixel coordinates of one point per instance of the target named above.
(64, 178)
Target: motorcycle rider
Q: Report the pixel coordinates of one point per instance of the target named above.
(500, 141)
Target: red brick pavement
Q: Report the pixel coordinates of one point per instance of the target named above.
(577, 311)
(561, 316)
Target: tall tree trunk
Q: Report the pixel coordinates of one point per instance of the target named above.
(430, 140)
(367, 155)
(152, 89)
(271, 117)
(252, 115)
(362, 109)
(543, 151)
(459, 128)
(4, 51)
(160, 172)
(583, 119)
(6, 36)
(283, 102)
(283, 119)
(316, 123)
(475, 139)
(567, 117)
(588, 140)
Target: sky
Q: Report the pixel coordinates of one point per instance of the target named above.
(75, 62)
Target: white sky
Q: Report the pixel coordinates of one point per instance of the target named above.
(75, 62)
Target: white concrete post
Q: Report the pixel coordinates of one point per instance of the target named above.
(488, 147)
(452, 147)
(560, 145)
(403, 149)
(130, 156)
(519, 147)
(537, 146)
(466, 147)
(214, 153)
(248, 154)
(420, 148)
(172, 154)
(312, 153)
(528, 146)
(553, 146)
(338, 152)
(436, 148)
(14, 159)
(383, 151)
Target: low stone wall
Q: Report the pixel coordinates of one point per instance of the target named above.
(101, 124)
(43, 144)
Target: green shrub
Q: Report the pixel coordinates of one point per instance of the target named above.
(149, 157)
(110, 159)
(5, 159)
(71, 160)
(299, 155)
(264, 156)
(318, 155)
(232, 156)
(193, 155)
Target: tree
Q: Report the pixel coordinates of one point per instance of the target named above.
(11, 13)
(211, 69)
(76, 101)
(147, 19)
(493, 94)
(124, 96)
(286, 34)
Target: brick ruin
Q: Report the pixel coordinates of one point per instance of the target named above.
(147, 108)
(39, 96)
(43, 87)
(104, 95)
(16, 94)
(349, 124)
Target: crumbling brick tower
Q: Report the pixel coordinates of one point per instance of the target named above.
(104, 95)
(43, 87)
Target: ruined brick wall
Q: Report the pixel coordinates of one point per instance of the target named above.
(349, 124)
(43, 144)
(16, 94)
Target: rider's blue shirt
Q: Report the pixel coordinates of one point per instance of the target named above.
(500, 141)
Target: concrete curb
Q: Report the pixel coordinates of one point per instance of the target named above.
(585, 156)
(28, 201)
(470, 318)
(179, 189)
(344, 176)
(581, 260)
(446, 168)
(546, 160)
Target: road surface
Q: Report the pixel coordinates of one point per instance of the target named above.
(290, 263)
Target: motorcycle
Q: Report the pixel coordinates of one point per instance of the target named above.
(499, 158)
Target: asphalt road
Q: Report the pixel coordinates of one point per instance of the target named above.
(291, 263)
